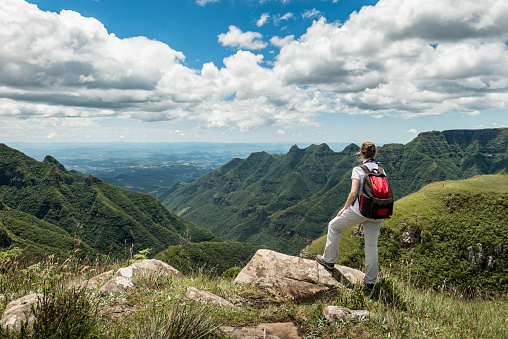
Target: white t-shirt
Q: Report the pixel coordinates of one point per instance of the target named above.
(359, 174)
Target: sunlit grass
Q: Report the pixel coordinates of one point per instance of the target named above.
(400, 310)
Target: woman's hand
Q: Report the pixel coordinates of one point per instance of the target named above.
(341, 211)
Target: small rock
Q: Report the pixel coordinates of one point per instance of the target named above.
(115, 312)
(207, 297)
(19, 311)
(262, 331)
(342, 314)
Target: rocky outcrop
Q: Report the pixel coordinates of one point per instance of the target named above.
(207, 297)
(295, 278)
(484, 258)
(20, 311)
(343, 314)
(264, 331)
(125, 277)
(409, 238)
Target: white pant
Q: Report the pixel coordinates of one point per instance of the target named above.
(371, 228)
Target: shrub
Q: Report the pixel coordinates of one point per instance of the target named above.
(231, 273)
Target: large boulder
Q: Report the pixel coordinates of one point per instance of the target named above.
(294, 278)
(20, 311)
(125, 277)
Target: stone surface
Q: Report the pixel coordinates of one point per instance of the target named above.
(294, 278)
(98, 280)
(207, 297)
(19, 311)
(342, 314)
(125, 277)
(115, 312)
(268, 331)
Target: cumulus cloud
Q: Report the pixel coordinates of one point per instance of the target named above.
(238, 39)
(412, 130)
(406, 57)
(399, 58)
(281, 42)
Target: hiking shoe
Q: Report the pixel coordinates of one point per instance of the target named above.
(327, 265)
(368, 287)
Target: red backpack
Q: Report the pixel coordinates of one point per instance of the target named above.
(376, 200)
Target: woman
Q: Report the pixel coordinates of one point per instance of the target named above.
(349, 216)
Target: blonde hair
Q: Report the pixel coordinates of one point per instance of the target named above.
(368, 150)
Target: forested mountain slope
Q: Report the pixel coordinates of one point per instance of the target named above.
(111, 219)
(450, 232)
(284, 201)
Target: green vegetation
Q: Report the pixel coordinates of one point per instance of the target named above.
(48, 208)
(285, 201)
(450, 233)
(399, 309)
(215, 257)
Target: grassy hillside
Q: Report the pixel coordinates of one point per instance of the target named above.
(113, 220)
(448, 233)
(284, 201)
(215, 257)
(35, 236)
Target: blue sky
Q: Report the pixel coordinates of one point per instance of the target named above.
(187, 26)
(250, 70)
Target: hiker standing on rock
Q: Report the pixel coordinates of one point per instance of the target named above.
(362, 207)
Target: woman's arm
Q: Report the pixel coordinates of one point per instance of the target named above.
(355, 187)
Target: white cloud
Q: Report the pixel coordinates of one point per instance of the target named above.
(262, 20)
(51, 135)
(412, 130)
(206, 2)
(277, 19)
(238, 39)
(311, 14)
(403, 58)
(381, 59)
(280, 42)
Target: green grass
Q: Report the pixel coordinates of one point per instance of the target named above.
(400, 309)
(446, 218)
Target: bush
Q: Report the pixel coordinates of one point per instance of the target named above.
(231, 273)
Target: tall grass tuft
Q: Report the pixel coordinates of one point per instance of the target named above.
(181, 321)
(65, 313)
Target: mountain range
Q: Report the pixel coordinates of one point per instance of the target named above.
(45, 207)
(284, 201)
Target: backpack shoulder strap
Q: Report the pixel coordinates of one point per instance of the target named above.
(365, 169)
